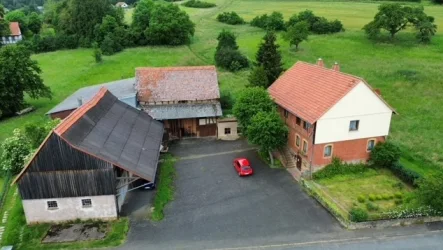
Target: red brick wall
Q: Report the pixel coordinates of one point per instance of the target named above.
(62, 115)
(348, 151)
(295, 129)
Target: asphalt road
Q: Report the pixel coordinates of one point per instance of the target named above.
(215, 209)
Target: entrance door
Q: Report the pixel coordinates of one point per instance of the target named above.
(299, 161)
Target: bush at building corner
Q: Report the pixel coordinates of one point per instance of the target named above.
(337, 167)
(385, 154)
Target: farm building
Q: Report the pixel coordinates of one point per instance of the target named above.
(83, 168)
(15, 34)
(329, 113)
(122, 89)
(186, 99)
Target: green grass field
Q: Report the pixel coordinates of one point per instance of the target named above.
(409, 75)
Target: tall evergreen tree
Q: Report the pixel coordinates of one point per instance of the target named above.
(268, 56)
(4, 26)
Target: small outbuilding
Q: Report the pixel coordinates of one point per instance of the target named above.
(84, 167)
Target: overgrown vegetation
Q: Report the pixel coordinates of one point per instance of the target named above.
(316, 24)
(269, 22)
(198, 4)
(336, 167)
(230, 18)
(227, 54)
(165, 187)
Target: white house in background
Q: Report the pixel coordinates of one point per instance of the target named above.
(329, 113)
(121, 5)
(15, 34)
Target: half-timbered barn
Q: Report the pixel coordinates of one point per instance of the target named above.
(186, 99)
(83, 168)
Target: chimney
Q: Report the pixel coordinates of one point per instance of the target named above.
(320, 62)
(79, 101)
(378, 92)
(336, 67)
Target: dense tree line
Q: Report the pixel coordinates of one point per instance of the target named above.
(17, 4)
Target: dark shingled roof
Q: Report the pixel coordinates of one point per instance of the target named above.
(116, 132)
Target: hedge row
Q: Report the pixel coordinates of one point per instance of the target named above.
(336, 167)
(406, 175)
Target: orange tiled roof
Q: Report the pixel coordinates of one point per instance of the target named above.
(78, 113)
(14, 27)
(177, 83)
(309, 91)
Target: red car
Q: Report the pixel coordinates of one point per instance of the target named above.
(243, 167)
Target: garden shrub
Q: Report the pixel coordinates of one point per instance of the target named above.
(379, 197)
(270, 22)
(371, 206)
(361, 198)
(14, 150)
(398, 202)
(372, 197)
(336, 167)
(358, 215)
(385, 154)
(398, 185)
(198, 4)
(398, 195)
(230, 18)
(385, 197)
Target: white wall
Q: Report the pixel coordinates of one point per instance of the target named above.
(103, 207)
(233, 125)
(362, 104)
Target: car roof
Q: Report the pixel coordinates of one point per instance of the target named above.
(243, 161)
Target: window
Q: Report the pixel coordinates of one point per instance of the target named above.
(305, 147)
(298, 121)
(306, 125)
(327, 151)
(206, 121)
(52, 205)
(297, 141)
(353, 125)
(227, 131)
(286, 113)
(86, 203)
(371, 145)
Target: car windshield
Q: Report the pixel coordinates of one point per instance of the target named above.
(245, 167)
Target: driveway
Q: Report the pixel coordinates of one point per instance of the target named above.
(214, 207)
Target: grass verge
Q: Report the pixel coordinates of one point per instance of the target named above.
(165, 187)
(22, 236)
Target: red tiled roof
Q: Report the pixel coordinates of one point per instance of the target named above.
(14, 27)
(177, 84)
(78, 113)
(309, 91)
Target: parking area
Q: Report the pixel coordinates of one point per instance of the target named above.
(214, 206)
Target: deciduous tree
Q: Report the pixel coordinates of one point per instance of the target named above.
(249, 102)
(35, 22)
(297, 33)
(267, 130)
(14, 151)
(429, 191)
(169, 25)
(18, 75)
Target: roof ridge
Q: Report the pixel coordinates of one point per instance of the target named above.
(323, 67)
(173, 68)
(78, 113)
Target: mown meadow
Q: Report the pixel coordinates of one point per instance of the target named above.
(409, 74)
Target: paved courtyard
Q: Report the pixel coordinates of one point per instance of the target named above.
(214, 207)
